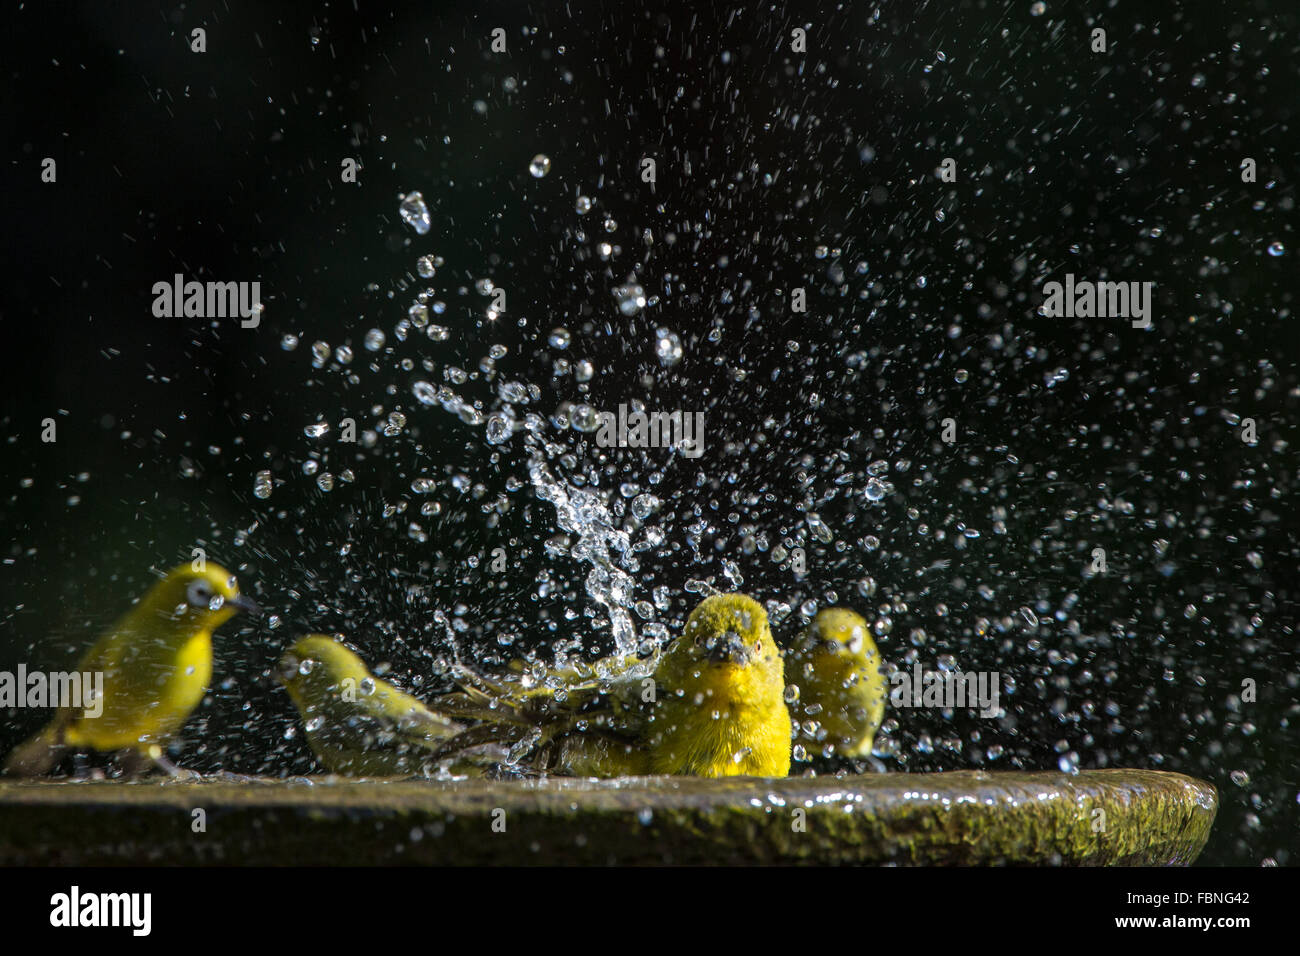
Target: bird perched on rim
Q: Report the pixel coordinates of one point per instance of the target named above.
(711, 705)
(156, 662)
(358, 725)
(837, 668)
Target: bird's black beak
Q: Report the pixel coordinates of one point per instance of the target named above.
(729, 649)
(246, 604)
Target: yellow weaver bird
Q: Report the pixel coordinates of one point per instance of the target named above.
(712, 705)
(156, 662)
(837, 668)
(358, 725)
(721, 711)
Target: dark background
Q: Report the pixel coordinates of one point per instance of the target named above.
(1074, 434)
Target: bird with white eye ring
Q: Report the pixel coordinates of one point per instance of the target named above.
(156, 663)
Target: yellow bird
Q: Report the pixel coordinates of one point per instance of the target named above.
(358, 725)
(156, 662)
(712, 705)
(721, 696)
(837, 668)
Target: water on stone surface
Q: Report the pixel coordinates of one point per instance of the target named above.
(407, 450)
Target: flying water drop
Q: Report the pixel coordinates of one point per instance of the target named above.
(415, 213)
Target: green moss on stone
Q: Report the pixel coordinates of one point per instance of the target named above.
(963, 818)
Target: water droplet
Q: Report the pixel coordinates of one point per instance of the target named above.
(374, 340)
(414, 212)
(262, 484)
(668, 347)
(630, 298)
(513, 392)
(585, 418)
(319, 430)
(289, 342)
(424, 266)
(1054, 378)
(498, 429)
(1276, 249)
(540, 166)
(582, 206)
(560, 338)
(819, 528)
(642, 507)
(1038, 8)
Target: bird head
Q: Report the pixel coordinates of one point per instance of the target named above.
(203, 599)
(838, 631)
(317, 663)
(726, 649)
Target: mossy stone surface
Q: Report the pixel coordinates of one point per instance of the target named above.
(961, 818)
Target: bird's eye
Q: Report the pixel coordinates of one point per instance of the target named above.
(199, 594)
